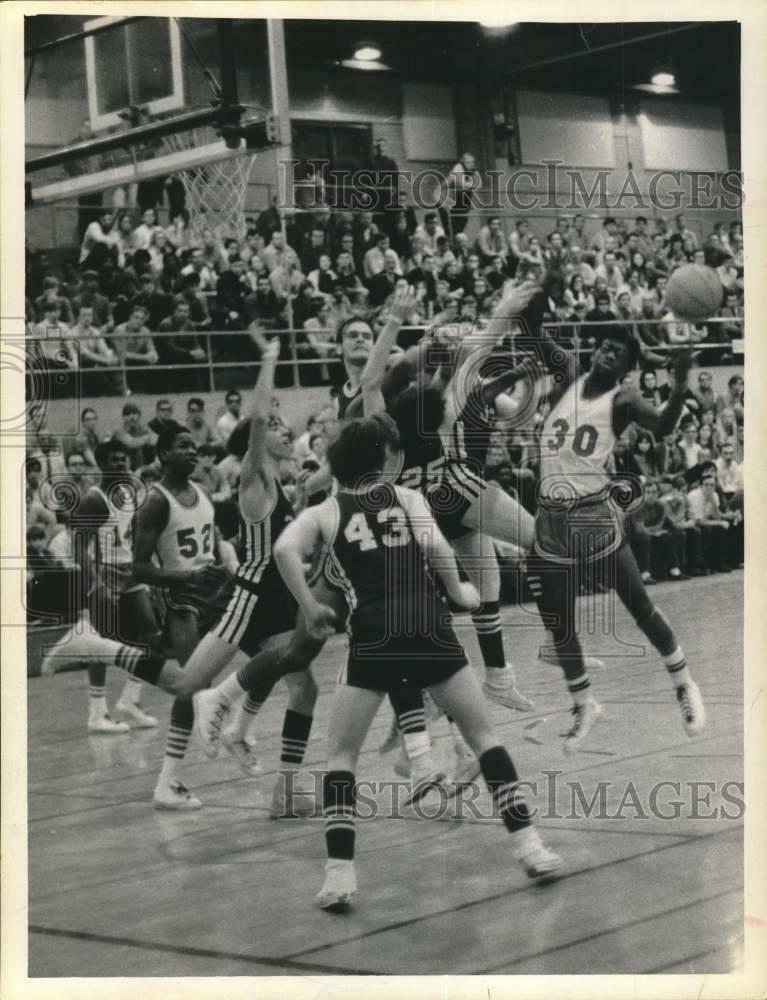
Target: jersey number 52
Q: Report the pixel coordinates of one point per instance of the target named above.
(188, 545)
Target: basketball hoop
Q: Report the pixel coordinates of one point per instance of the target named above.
(215, 191)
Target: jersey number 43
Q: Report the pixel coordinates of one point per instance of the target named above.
(396, 530)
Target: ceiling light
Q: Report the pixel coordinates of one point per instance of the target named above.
(367, 53)
(663, 79)
(373, 64)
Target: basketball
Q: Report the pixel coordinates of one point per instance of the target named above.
(694, 292)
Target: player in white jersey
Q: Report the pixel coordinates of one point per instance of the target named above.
(175, 549)
(579, 519)
(118, 606)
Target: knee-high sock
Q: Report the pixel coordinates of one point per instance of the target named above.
(296, 728)
(503, 782)
(487, 623)
(338, 810)
(179, 734)
(97, 690)
(409, 708)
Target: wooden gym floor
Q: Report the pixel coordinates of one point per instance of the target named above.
(119, 889)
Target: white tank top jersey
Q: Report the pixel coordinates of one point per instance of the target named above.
(576, 442)
(188, 539)
(115, 535)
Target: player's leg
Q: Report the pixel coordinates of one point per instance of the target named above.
(294, 794)
(353, 711)
(498, 515)
(170, 791)
(559, 586)
(138, 627)
(654, 624)
(476, 553)
(102, 615)
(461, 696)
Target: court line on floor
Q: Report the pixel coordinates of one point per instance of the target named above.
(610, 930)
(689, 958)
(189, 950)
(409, 922)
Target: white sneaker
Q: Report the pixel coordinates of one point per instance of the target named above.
(293, 797)
(547, 654)
(424, 775)
(692, 708)
(243, 749)
(536, 859)
(210, 713)
(339, 886)
(79, 643)
(501, 687)
(584, 720)
(175, 796)
(104, 726)
(135, 716)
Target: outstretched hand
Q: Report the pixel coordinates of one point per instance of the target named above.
(402, 304)
(516, 298)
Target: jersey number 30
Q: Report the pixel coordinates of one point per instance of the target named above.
(584, 440)
(396, 532)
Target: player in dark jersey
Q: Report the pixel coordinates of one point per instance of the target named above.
(384, 547)
(117, 605)
(579, 519)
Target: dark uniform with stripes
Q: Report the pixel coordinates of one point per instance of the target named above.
(401, 634)
(261, 605)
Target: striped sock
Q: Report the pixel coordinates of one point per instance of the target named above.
(580, 688)
(503, 783)
(244, 715)
(179, 734)
(97, 700)
(140, 664)
(487, 623)
(295, 737)
(338, 810)
(676, 664)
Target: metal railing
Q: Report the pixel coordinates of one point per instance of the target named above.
(297, 362)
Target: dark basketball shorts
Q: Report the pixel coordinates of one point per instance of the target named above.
(128, 616)
(583, 533)
(206, 606)
(255, 614)
(381, 661)
(451, 496)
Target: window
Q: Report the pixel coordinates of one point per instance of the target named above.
(138, 63)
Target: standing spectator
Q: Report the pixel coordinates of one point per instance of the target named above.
(137, 439)
(386, 183)
(462, 181)
(230, 417)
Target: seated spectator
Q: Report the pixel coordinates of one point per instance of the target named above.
(181, 346)
(691, 404)
(491, 242)
(623, 309)
(611, 272)
(159, 304)
(703, 508)
(210, 477)
(52, 294)
(137, 439)
(50, 588)
(384, 282)
(430, 231)
(315, 246)
(80, 474)
(316, 343)
(286, 279)
(576, 296)
(264, 305)
(135, 347)
(688, 443)
(122, 239)
(375, 258)
(204, 270)
(730, 473)
(323, 277)
(665, 540)
(143, 233)
(496, 275)
(732, 398)
(163, 416)
(96, 235)
(91, 296)
(198, 304)
(278, 253)
(52, 349)
(675, 503)
(599, 313)
(88, 440)
(707, 440)
(196, 424)
(302, 448)
(648, 457)
(230, 417)
(346, 275)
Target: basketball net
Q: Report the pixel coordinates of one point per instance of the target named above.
(215, 191)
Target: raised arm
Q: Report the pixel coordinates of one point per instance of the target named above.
(371, 379)
(254, 462)
(630, 407)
